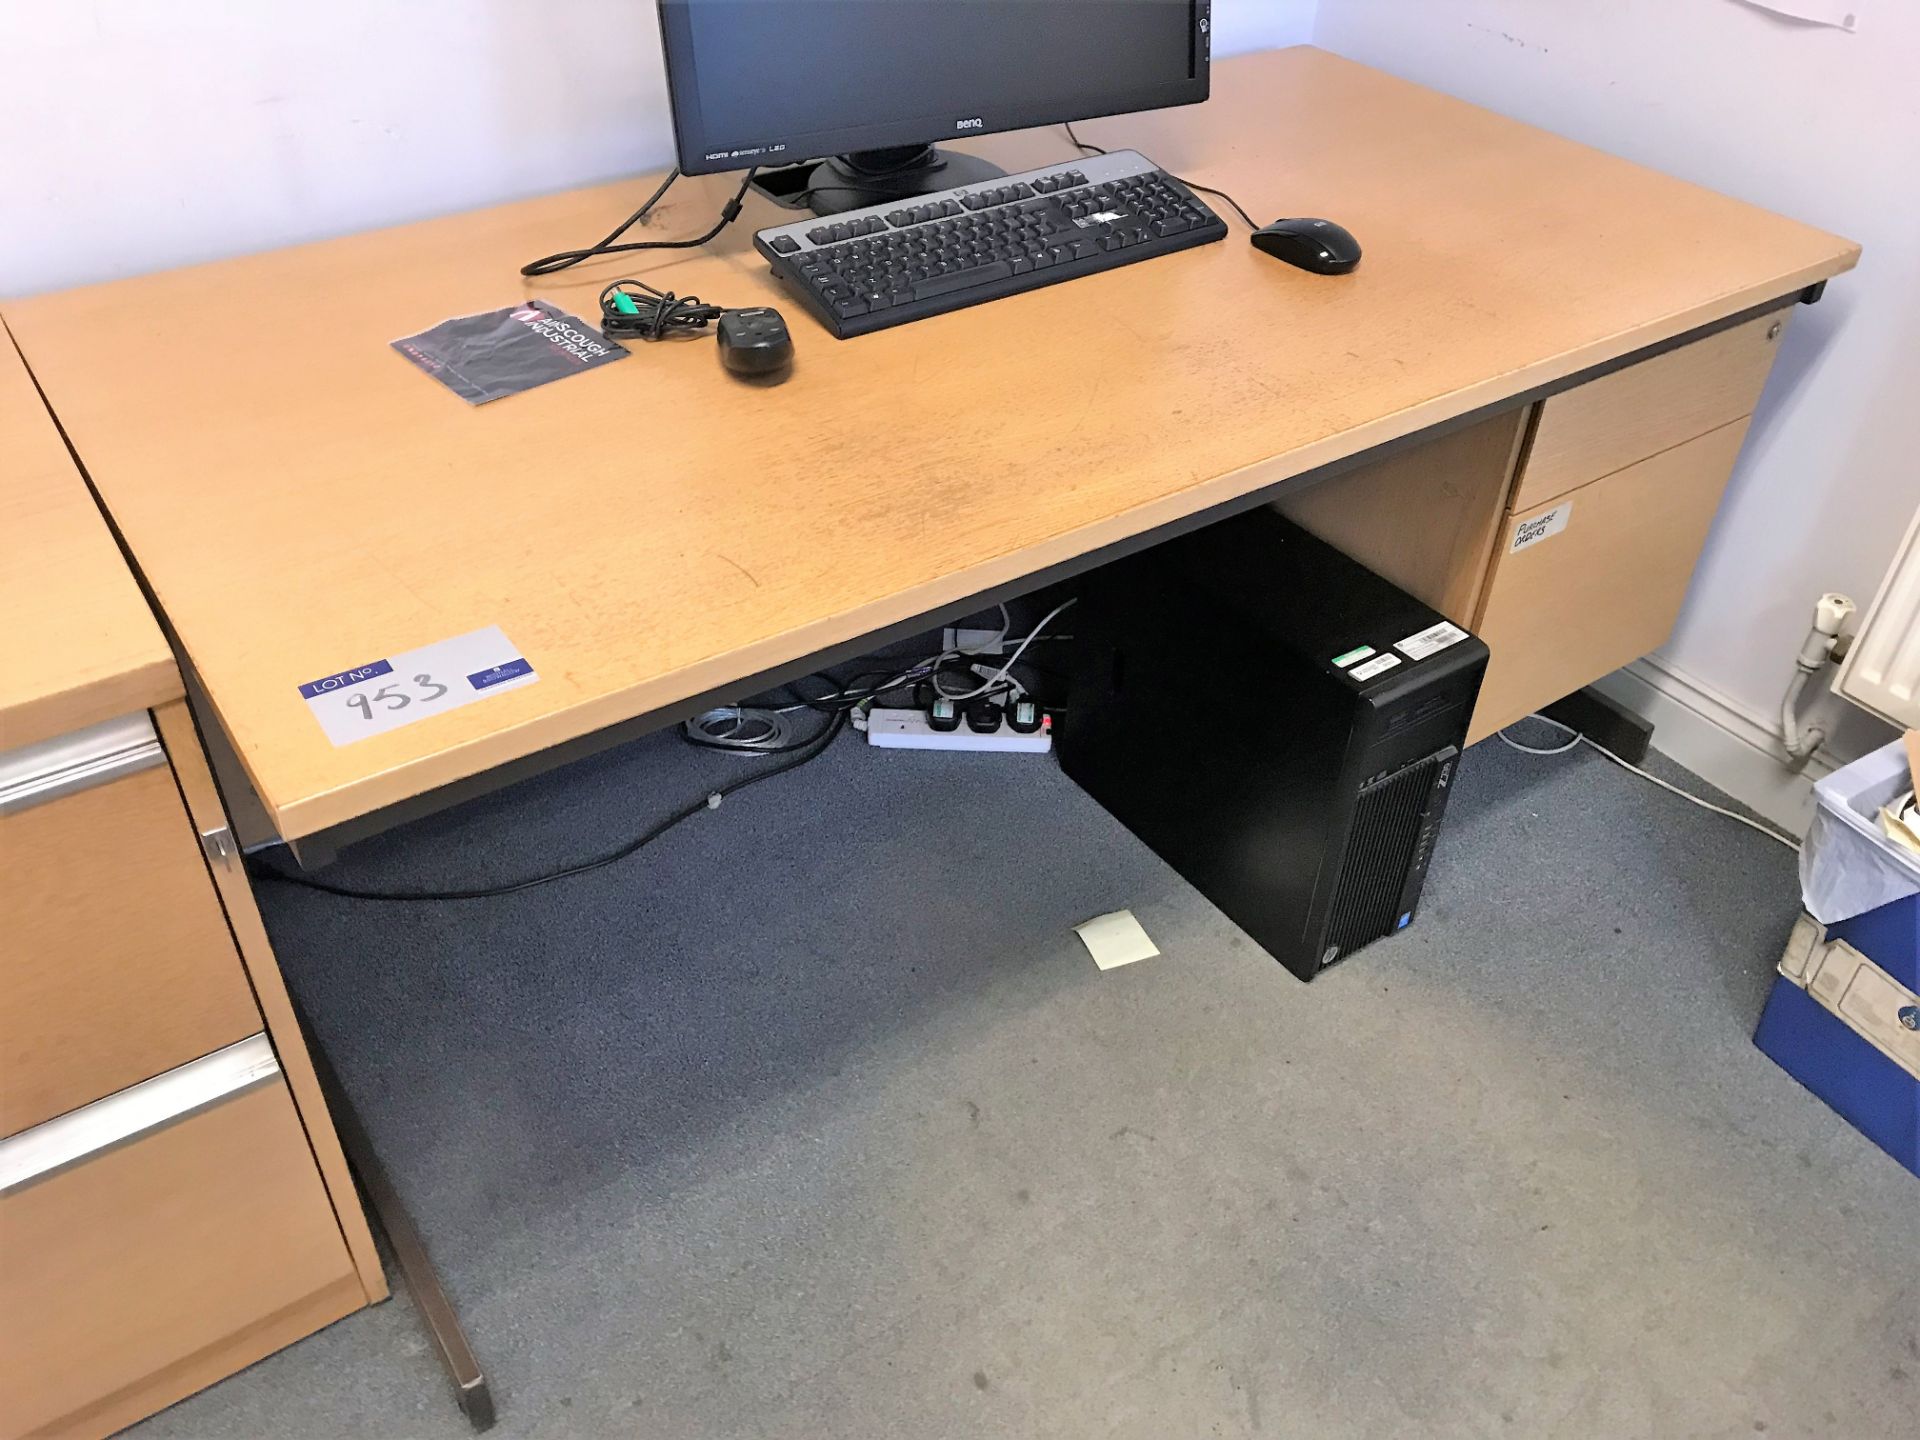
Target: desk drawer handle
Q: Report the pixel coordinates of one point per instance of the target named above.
(54, 1145)
(35, 774)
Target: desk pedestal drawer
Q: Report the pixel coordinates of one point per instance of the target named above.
(117, 963)
(1597, 578)
(135, 1275)
(1605, 425)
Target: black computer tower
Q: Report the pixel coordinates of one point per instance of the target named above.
(1279, 723)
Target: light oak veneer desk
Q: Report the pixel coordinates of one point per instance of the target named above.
(654, 533)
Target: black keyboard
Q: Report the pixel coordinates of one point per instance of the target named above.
(889, 264)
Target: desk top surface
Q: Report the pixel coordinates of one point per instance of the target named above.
(82, 646)
(302, 500)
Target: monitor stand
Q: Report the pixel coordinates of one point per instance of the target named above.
(873, 177)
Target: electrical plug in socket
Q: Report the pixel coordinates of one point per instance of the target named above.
(984, 716)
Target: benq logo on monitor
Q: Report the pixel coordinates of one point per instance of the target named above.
(972, 122)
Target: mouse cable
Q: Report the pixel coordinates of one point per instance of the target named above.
(635, 309)
(1085, 149)
(711, 801)
(565, 259)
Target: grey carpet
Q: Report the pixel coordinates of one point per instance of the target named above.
(816, 1120)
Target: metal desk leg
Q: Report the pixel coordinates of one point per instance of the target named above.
(409, 1250)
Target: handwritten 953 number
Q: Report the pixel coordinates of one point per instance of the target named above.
(393, 696)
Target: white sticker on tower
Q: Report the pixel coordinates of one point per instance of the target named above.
(1540, 527)
(1379, 665)
(1431, 640)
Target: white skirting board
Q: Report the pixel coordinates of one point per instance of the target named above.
(1721, 740)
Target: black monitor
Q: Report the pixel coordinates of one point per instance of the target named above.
(876, 84)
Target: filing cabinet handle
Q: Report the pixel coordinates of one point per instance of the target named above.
(34, 774)
(54, 1145)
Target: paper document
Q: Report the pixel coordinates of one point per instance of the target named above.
(1835, 14)
(1116, 939)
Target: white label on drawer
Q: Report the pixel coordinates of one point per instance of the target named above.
(1541, 527)
(1431, 641)
(385, 694)
(1379, 665)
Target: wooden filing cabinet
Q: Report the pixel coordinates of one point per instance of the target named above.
(1565, 533)
(164, 1218)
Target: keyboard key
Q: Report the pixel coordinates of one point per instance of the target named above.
(960, 280)
(785, 244)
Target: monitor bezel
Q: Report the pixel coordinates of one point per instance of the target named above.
(697, 155)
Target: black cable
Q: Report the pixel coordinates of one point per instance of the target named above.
(1082, 146)
(656, 314)
(812, 750)
(848, 697)
(1086, 149)
(564, 259)
(1252, 224)
(803, 199)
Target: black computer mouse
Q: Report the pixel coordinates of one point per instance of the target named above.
(755, 343)
(1317, 245)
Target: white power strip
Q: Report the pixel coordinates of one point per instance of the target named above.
(908, 730)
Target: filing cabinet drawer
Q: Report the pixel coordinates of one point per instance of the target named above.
(138, 1273)
(1598, 577)
(1635, 413)
(118, 963)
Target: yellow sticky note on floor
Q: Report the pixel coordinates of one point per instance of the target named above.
(1116, 939)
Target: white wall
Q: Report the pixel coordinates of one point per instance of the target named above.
(139, 134)
(1816, 123)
